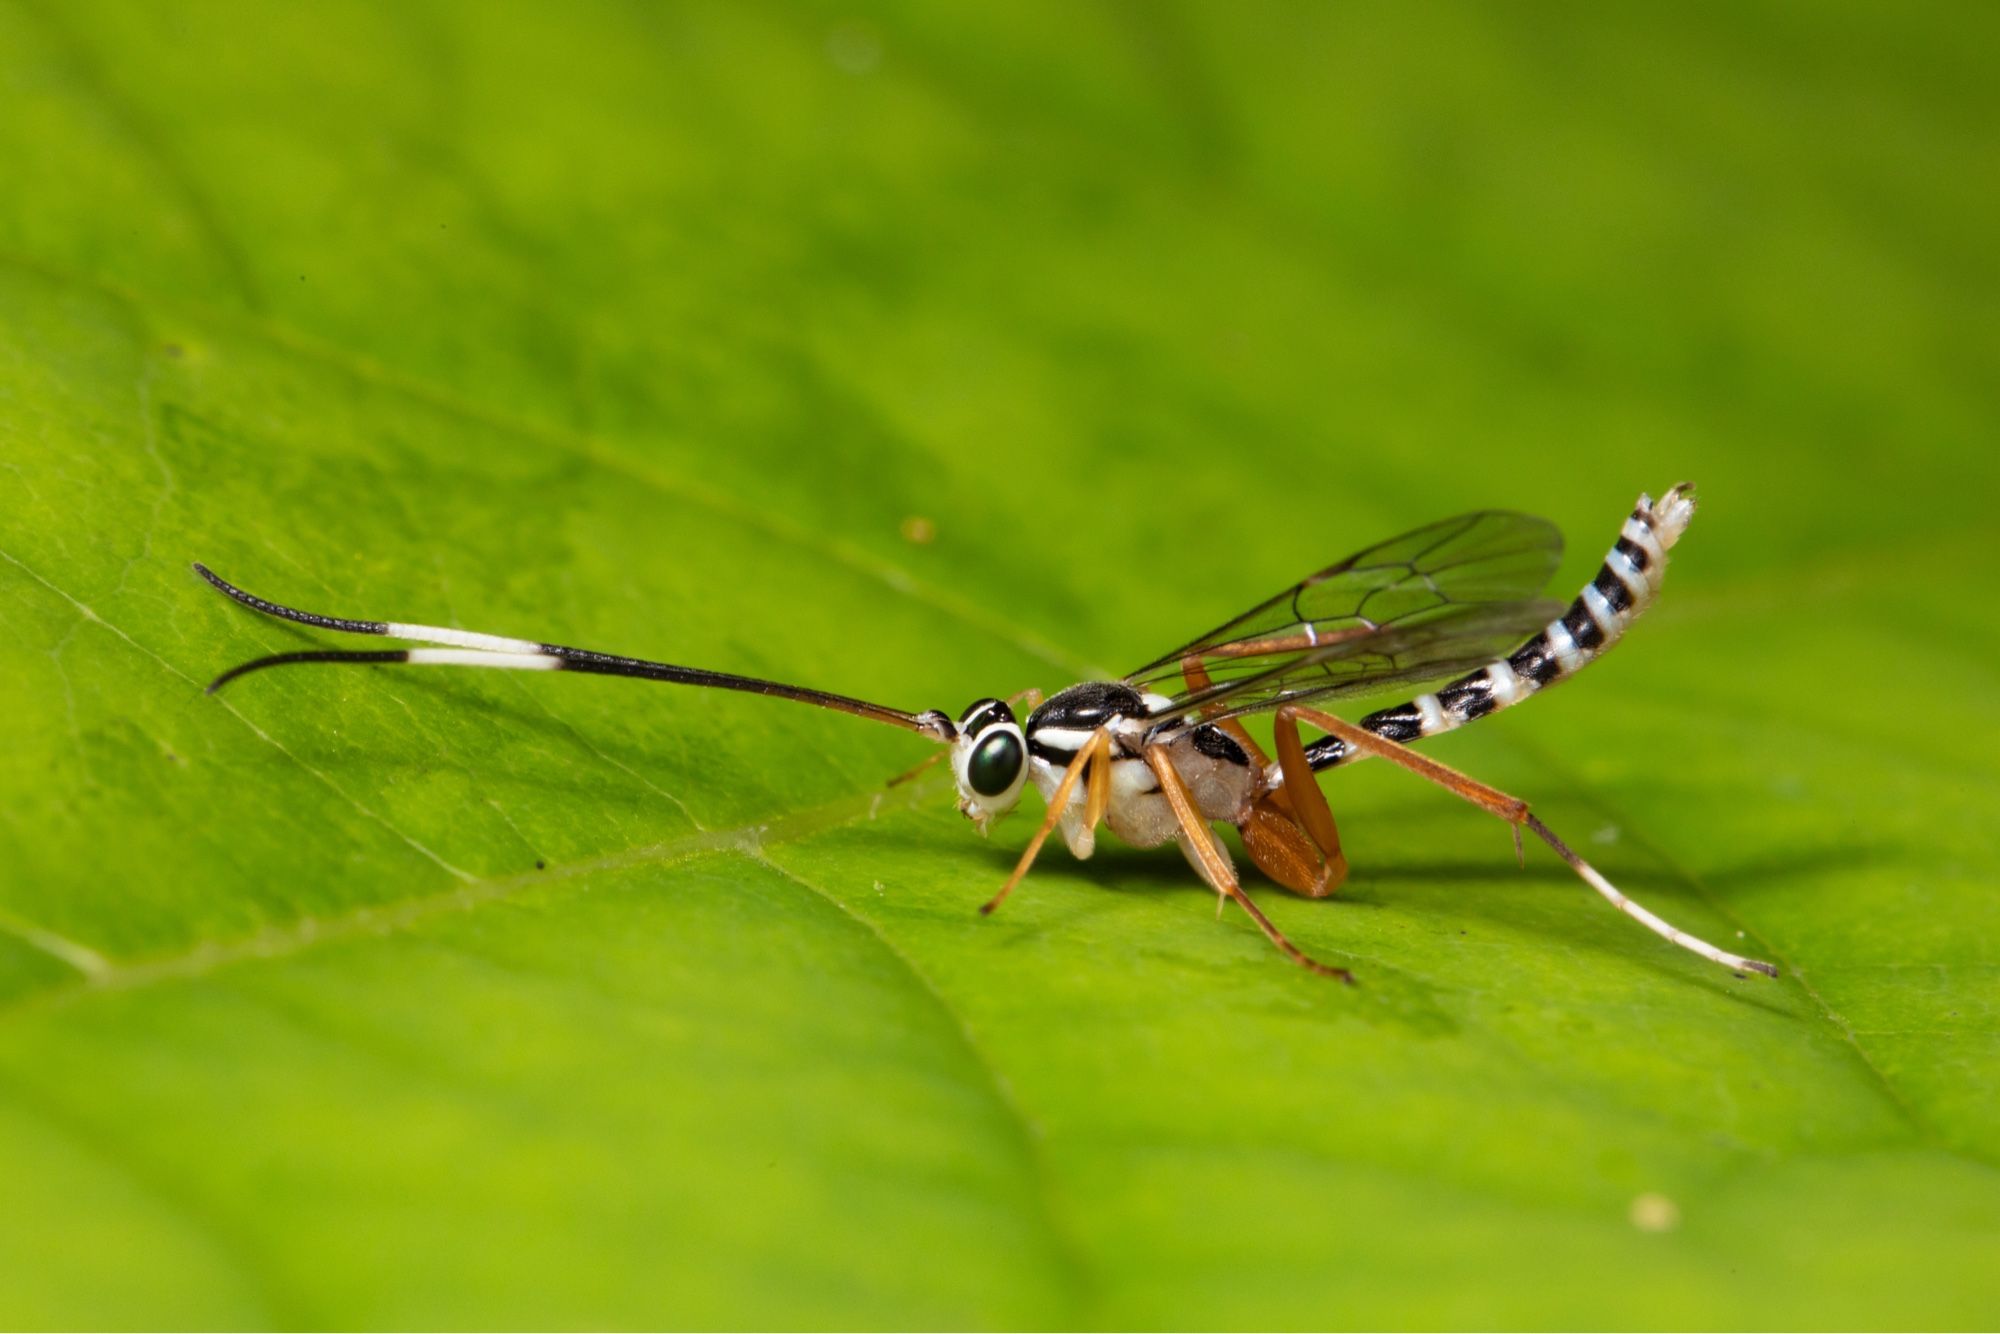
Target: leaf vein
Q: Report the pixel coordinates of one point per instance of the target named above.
(1026, 1126)
(90, 614)
(300, 935)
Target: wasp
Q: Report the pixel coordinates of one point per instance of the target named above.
(1161, 755)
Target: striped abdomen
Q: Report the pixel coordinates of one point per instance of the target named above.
(1625, 585)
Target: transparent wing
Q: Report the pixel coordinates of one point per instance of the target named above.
(1443, 599)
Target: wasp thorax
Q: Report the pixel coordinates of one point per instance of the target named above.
(990, 761)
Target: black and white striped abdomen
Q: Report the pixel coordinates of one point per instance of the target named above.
(1626, 585)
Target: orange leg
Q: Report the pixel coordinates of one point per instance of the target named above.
(1201, 842)
(1195, 673)
(1489, 799)
(1098, 745)
(1279, 847)
(1495, 802)
(1097, 787)
(1296, 843)
(1297, 846)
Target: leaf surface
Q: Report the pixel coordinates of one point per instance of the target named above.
(923, 355)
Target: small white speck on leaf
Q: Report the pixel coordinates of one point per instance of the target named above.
(1653, 1212)
(1605, 836)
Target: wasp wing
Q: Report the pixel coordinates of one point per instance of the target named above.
(1444, 599)
(1390, 659)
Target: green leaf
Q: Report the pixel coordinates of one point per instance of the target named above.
(923, 355)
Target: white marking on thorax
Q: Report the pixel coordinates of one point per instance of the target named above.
(1071, 739)
(1047, 778)
(1131, 778)
(1129, 734)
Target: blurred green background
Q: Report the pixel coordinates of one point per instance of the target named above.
(654, 328)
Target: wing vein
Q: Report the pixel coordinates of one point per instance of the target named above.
(1436, 601)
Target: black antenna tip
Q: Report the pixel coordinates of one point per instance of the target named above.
(219, 682)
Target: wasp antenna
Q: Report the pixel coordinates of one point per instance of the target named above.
(467, 648)
(420, 657)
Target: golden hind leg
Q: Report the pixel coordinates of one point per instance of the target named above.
(1515, 812)
(1099, 744)
(1296, 843)
(1201, 843)
(1298, 849)
(1195, 672)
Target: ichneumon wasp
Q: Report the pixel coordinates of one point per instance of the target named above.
(1161, 754)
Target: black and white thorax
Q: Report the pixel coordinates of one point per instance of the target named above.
(1218, 774)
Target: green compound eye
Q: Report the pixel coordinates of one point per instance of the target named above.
(995, 764)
